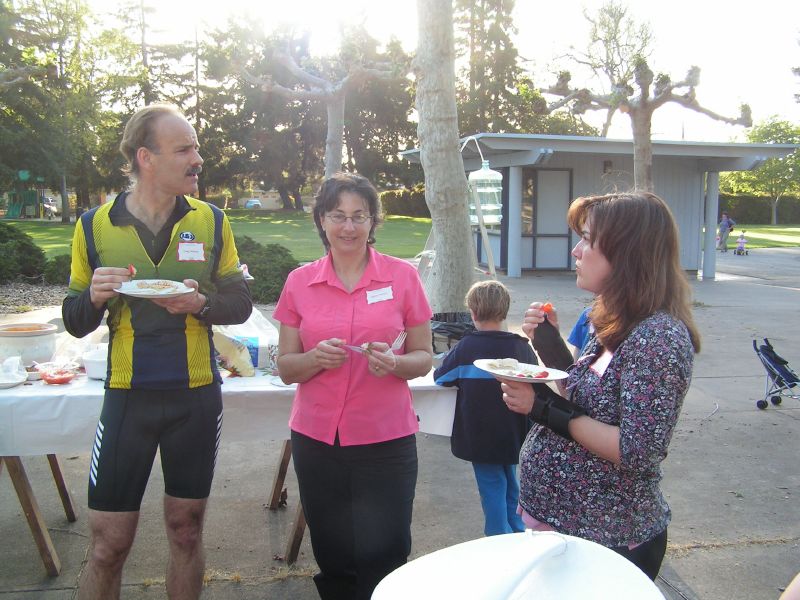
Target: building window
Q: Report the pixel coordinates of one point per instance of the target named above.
(528, 194)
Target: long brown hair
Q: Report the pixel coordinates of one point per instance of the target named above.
(636, 232)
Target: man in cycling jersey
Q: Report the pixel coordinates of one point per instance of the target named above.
(162, 384)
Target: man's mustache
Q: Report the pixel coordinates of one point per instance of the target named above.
(194, 170)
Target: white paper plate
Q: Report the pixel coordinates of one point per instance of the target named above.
(12, 381)
(161, 288)
(532, 373)
(520, 566)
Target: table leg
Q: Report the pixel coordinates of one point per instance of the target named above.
(280, 474)
(296, 535)
(299, 526)
(63, 491)
(30, 507)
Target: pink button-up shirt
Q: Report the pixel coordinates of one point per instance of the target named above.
(388, 299)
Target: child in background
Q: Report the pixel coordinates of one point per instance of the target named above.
(741, 242)
(485, 431)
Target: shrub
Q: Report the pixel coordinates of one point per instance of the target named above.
(218, 200)
(20, 255)
(269, 265)
(56, 270)
(405, 202)
(757, 210)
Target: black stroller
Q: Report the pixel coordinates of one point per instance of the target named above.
(780, 377)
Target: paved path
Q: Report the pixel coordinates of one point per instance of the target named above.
(732, 477)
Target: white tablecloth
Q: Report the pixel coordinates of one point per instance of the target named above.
(38, 419)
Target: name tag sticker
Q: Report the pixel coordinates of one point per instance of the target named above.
(191, 252)
(380, 295)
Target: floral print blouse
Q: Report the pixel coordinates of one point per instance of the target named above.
(641, 391)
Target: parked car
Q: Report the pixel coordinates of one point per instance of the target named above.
(252, 203)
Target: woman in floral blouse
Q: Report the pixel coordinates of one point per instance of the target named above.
(591, 467)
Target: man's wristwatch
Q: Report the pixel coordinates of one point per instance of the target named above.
(201, 314)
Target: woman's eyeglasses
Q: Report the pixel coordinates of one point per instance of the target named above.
(340, 218)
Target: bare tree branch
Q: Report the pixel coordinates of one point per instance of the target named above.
(691, 103)
(304, 77)
(617, 55)
(331, 93)
(16, 75)
(267, 85)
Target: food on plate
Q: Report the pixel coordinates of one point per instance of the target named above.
(547, 307)
(132, 270)
(510, 367)
(504, 363)
(22, 328)
(57, 377)
(158, 286)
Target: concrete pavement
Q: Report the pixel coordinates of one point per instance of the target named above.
(732, 477)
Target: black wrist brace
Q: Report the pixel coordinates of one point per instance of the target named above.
(553, 411)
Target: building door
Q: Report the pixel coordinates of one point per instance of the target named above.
(547, 194)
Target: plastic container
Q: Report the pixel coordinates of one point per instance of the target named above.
(95, 362)
(58, 373)
(447, 329)
(33, 342)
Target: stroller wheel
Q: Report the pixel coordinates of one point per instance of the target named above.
(776, 400)
(762, 404)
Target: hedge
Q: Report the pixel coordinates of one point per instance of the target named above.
(405, 202)
(757, 210)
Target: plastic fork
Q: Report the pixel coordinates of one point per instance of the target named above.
(396, 345)
(398, 342)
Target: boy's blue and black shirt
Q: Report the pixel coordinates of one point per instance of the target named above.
(484, 429)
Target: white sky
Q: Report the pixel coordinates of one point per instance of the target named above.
(745, 49)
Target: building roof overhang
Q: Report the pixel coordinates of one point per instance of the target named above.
(522, 149)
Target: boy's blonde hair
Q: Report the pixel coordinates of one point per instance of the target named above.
(489, 300)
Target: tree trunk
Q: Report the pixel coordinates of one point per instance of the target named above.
(775, 210)
(333, 143)
(298, 199)
(446, 191)
(202, 190)
(65, 211)
(642, 149)
(147, 86)
(82, 196)
(283, 192)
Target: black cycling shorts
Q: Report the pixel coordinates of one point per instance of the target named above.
(185, 424)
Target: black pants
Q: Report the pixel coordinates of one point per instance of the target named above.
(184, 423)
(357, 502)
(647, 556)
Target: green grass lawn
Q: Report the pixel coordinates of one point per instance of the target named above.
(403, 237)
(767, 236)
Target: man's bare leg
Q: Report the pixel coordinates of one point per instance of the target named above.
(187, 560)
(112, 536)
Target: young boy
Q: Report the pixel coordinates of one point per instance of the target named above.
(485, 431)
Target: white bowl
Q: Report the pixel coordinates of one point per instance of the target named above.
(95, 363)
(34, 342)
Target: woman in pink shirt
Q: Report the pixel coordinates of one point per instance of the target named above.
(352, 423)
